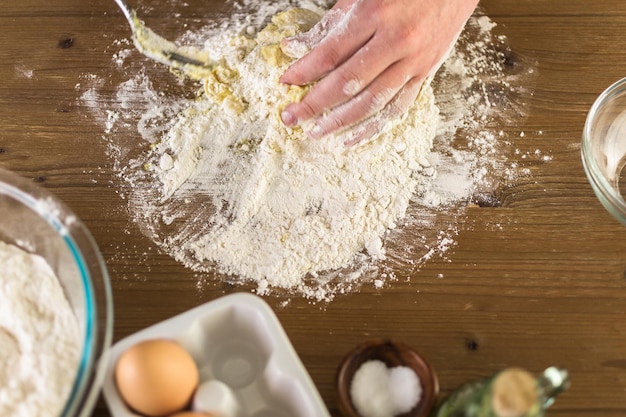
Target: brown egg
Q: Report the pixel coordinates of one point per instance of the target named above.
(156, 377)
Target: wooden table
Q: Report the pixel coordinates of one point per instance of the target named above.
(545, 288)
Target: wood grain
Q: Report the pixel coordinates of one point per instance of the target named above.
(538, 280)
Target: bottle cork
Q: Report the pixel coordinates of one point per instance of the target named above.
(514, 393)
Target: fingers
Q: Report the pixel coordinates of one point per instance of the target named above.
(368, 56)
(359, 105)
(298, 46)
(345, 83)
(358, 72)
(334, 89)
(370, 100)
(330, 47)
(395, 108)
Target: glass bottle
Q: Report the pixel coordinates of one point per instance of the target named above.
(512, 392)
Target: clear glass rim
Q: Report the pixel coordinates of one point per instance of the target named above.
(610, 198)
(99, 303)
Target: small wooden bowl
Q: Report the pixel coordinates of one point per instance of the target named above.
(392, 354)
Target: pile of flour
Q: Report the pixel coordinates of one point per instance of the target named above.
(39, 337)
(224, 186)
(285, 206)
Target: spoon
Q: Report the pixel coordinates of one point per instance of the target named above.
(188, 59)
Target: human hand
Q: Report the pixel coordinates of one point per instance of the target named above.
(369, 58)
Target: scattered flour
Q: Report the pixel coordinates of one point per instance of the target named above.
(284, 206)
(224, 186)
(39, 337)
(24, 71)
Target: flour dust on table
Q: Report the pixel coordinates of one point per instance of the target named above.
(219, 183)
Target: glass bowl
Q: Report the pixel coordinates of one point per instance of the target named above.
(603, 149)
(39, 223)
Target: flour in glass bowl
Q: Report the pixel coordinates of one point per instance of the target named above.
(40, 342)
(226, 187)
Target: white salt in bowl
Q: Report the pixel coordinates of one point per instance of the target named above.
(36, 221)
(393, 354)
(603, 149)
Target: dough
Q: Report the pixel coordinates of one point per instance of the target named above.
(278, 208)
(285, 24)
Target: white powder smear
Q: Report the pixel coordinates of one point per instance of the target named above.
(39, 337)
(221, 185)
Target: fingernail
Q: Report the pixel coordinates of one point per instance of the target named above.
(316, 133)
(288, 118)
(294, 48)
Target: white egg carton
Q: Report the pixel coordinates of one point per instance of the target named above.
(238, 341)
